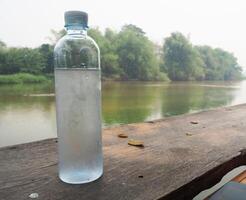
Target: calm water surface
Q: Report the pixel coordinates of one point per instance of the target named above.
(27, 112)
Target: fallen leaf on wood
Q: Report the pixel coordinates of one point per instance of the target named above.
(188, 134)
(194, 122)
(122, 135)
(138, 143)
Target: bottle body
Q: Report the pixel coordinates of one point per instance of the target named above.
(78, 106)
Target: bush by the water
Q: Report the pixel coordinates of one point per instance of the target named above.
(22, 78)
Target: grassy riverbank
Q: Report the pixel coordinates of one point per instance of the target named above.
(27, 78)
(22, 78)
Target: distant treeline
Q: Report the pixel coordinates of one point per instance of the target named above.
(130, 55)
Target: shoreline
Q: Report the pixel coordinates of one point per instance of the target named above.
(27, 78)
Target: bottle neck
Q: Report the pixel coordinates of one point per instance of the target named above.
(76, 30)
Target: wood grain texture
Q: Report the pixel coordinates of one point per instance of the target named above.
(171, 165)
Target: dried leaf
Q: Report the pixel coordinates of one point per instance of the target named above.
(194, 122)
(122, 135)
(138, 143)
(188, 134)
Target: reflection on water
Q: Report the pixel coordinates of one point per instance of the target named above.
(25, 115)
(23, 118)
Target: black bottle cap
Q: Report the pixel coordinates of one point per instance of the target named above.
(76, 18)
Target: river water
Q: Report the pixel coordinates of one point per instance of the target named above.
(27, 112)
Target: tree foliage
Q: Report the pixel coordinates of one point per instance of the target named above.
(136, 54)
(107, 44)
(46, 50)
(219, 64)
(15, 60)
(130, 55)
(184, 61)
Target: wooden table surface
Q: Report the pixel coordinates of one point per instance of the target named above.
(179, 160)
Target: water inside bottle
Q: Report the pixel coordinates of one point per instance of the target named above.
(78, 94)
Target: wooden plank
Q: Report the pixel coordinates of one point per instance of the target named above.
(172, 165)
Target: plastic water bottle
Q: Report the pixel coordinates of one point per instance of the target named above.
(78, 102)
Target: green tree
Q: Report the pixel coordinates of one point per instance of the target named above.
(136, 54)
(47, 50)
(219, 64)
(22, 60)
(107, 44)
(182, 61)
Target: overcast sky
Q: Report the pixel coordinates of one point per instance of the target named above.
(218, 23)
